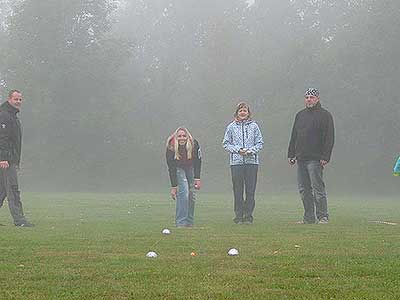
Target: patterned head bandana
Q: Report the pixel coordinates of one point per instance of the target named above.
(312, 92)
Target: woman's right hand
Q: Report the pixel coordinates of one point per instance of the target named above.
(174, 190)
(243, 152)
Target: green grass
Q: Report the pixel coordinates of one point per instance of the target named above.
(93, 246)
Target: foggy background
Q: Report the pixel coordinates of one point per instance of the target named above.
(105, 83)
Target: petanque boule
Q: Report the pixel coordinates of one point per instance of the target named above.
(233, 252)
(151, 254)
(166, 231)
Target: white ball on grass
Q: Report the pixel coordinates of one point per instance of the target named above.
(233, 252)
(151, 254)
(166, 231)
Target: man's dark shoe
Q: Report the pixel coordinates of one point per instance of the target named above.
(248, 221)
(25, 224)
(238, 220)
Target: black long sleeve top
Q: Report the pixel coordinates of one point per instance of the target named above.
(313, 135)
(184, 162)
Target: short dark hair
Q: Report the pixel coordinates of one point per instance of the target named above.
(10, 93)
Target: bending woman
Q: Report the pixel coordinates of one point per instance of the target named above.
(184, 166)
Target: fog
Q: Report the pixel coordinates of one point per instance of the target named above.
(105, 83)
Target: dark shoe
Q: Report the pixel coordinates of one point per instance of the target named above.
(25, 224)
(248, 220)
(238, 220)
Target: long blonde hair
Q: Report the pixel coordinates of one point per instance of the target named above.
(172, 143)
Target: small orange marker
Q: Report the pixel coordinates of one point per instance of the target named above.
(193, 254)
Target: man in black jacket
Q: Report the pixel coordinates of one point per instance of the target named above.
(10, 154)
(311, 146)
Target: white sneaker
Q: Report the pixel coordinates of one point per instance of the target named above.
(323, 220)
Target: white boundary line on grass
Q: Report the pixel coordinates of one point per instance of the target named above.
(384, 222)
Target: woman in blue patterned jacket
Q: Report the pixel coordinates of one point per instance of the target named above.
(243, 141)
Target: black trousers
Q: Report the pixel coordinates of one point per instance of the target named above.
(244, 178)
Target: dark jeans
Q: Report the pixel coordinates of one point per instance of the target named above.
(244, 178)
(312, 190)
(9, 189)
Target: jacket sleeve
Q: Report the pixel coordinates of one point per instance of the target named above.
(329, 138)
(292, 142)
(4, 137)
(227, 142)
(258, 140)
(396, 168)
(171, 163)
(197, 160)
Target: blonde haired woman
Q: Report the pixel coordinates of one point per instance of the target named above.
(184, 165)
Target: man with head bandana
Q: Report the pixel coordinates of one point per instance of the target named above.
(311, 146)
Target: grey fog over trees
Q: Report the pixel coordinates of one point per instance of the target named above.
(106, 81)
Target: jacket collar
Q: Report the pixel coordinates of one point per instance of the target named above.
(247, 121)
(8, 107)
(315, 107)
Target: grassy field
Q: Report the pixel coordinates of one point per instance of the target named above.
(93, 246)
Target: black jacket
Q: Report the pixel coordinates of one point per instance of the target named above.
(195, 162)
(313, 135)
(10, 134)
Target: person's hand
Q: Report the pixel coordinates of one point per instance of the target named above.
(291, 161)
(197, 184)
(243, 152)
(174, 190)
(323, 162)
(4, 164)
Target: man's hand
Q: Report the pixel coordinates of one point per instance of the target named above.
(323, 162)
(174, 190)
(291, 161)
(4, 164)
(197, 184)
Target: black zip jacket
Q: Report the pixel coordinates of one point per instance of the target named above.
(10, 134)
(195, 162)
(313, 135)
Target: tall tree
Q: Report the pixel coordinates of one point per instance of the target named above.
(61, 54)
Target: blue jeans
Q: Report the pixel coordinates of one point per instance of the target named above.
(185, 197)
(312, 190)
